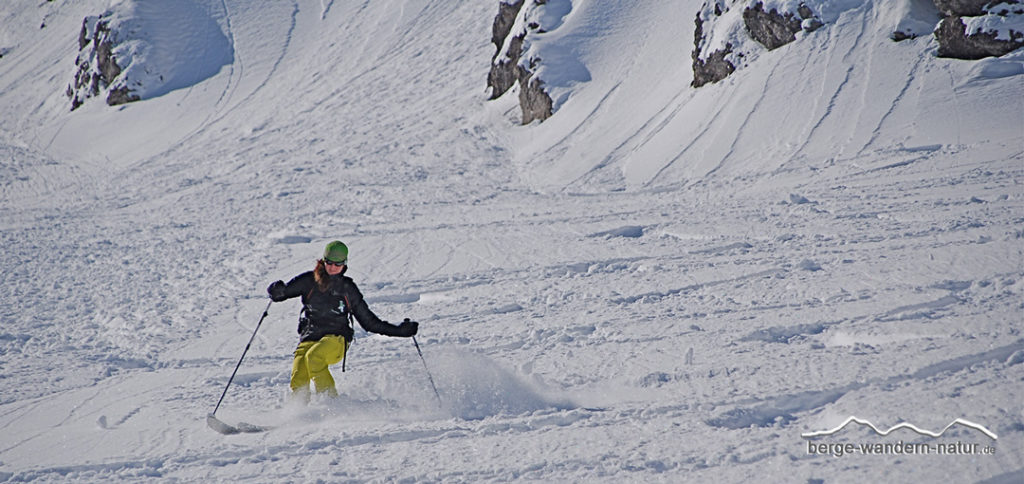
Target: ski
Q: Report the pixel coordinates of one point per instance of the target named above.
(228, 429)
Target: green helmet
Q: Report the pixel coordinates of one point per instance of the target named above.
(336, 252)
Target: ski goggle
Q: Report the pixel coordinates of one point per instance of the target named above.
(336, 264)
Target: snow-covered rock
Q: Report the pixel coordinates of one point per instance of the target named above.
(513, 63)
(97, 66)
(138, 50)
(503, 73)
(962, 7)
(774, 29)
(968, 29)
(725, 30)
(978, 29)
(710, 66)
(914, 18)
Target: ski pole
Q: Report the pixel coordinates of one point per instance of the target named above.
(242, 358)
(436, 394)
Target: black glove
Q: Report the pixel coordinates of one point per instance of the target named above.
(276, 291)
(407, 328)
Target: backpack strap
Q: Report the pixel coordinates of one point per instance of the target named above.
(308, 295)
(348, 309)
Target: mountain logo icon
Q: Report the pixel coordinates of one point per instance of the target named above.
(903, 425)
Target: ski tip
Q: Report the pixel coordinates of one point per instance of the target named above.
(228, 429)
(219, 426)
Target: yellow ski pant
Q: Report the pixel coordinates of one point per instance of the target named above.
(312, 359)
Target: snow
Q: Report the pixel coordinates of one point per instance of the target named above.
(657, 284)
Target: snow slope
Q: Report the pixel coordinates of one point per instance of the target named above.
(657, 284)
(836, 94)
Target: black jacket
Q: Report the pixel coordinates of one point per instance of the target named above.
(327, 313)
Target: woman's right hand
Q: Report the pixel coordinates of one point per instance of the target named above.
(276, 291)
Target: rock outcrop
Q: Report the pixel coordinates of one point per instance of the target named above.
(510, 65)
(97, 67)
(503, 74)
(968, 8)
(963, 29)
(534, 101)
(715, 59)
(141, 49)
(713, 67)
(773, 29)
(975, 29)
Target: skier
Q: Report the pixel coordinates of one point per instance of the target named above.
(329, 300)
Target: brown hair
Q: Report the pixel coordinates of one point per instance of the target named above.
(320, 275)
